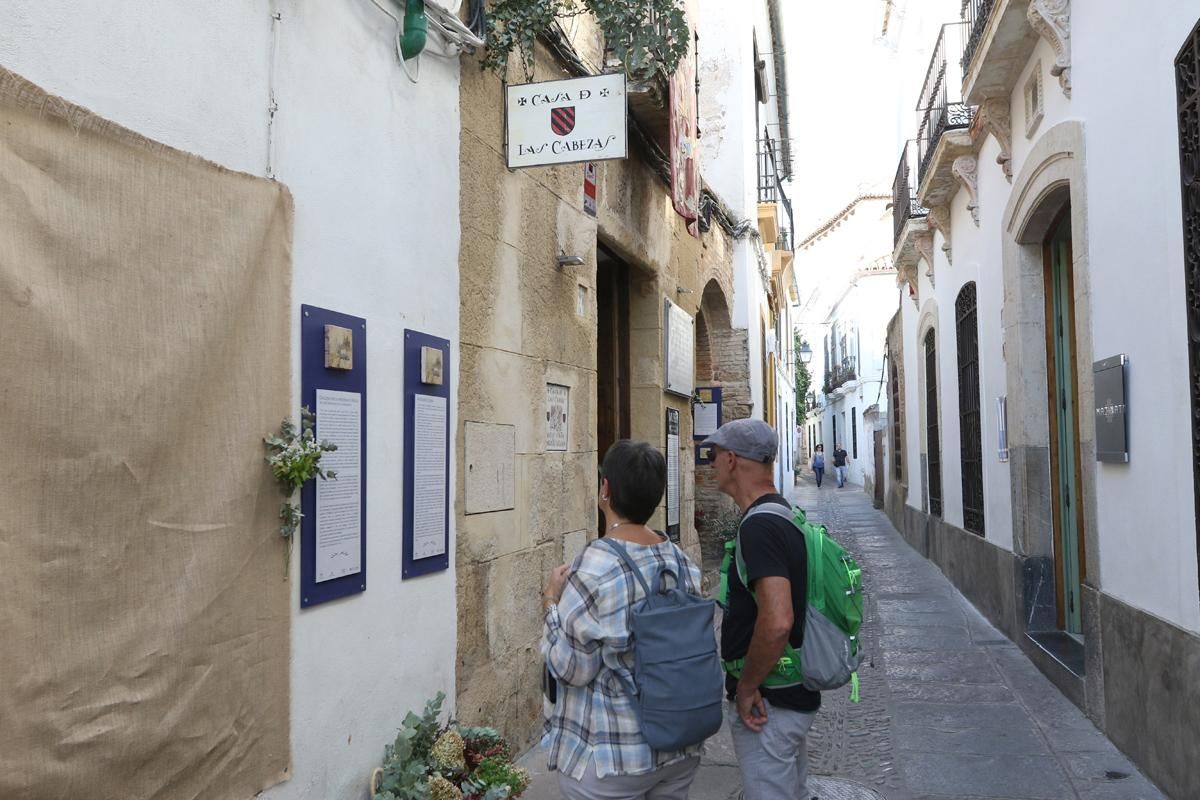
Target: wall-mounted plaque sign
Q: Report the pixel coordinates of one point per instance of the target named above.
(557, 398)
(1112, 432)
(674, 486)
(680, 342)
(563, 122)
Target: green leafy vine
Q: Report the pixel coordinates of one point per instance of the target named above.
(295, 459)
(646, 36)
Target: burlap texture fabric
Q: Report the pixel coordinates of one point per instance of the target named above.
(144, 353)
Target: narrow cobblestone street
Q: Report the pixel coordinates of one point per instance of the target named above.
(950, 709)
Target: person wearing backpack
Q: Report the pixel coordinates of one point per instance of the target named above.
(598, 641)
(765, 617)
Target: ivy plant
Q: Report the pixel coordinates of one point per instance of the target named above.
(647, 36)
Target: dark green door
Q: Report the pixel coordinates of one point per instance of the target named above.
(1064, 424)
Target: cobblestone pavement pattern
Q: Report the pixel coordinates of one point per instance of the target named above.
(950, 709)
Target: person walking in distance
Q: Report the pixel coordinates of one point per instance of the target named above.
(839, 464)
(818, 463)
(769, 719)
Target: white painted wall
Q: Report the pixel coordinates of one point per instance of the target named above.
(1126, 95)
(372, 162)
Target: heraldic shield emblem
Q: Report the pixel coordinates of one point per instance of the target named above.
(562, 120)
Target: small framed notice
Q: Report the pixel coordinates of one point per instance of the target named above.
(426, 456)
(557, 399)
(674, 484)
(679, 340)
(1112, 431)
(706, 412)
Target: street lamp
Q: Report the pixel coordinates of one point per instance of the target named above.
(805, 353)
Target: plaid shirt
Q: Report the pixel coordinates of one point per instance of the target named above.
(586, 644)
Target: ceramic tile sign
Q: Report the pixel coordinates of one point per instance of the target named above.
(680, 342)
(590, 174)
(566, 122)
(557, 400)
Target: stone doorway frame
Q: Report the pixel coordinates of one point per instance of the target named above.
(1052, 178)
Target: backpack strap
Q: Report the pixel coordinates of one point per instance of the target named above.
(623, 554)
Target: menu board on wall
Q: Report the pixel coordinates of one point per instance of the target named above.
(678, 356)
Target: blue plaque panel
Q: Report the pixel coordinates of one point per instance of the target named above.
(315, 375)
(414, 343)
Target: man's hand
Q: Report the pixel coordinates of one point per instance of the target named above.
(751, 708)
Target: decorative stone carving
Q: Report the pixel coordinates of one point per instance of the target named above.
(995, 117)
(924, 245)
(1052, 21)
(906, 276)
(966, 169)
(939, 220)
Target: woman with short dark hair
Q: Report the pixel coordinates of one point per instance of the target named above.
(593, 735)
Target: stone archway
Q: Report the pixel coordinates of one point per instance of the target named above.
(722, 359)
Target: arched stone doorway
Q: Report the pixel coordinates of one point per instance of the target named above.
(722, 363)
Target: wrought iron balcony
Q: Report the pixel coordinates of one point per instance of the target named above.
(904, 191)
(941, 107)
(784, 242)
(768, 174)
(840, 374)
(975, 14)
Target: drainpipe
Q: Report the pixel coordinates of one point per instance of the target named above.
(775, 13)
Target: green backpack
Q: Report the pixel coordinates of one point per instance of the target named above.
(830, 653)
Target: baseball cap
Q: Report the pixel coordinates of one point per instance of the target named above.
(748, 438)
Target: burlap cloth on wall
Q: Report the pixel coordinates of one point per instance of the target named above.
(144, 352)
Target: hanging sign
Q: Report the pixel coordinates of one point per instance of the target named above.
(685, 145)
(564, 122)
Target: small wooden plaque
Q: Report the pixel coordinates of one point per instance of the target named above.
(431, 366)
(339, 347)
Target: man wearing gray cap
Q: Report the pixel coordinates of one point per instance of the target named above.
(771, 712)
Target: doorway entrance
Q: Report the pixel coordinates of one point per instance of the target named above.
(612, 354)
(1063, 405)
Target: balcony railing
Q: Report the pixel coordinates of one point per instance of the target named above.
(975, 14)
(768, 180)
(941, 107)
(840, 374)
(784, 242)
(904, 190)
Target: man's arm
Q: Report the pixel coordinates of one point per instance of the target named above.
(771, 631)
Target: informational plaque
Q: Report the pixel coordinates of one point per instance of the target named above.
(426, 545)
(678, 359)
(333, 384)
(706, 412)
(1112, 432)
(429, 476)
(561, 122)
(339, 501)
(674, 485)
(557, 398)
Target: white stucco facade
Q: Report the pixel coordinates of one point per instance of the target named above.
(372, 163)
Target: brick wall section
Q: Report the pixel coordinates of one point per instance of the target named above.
(730, 360)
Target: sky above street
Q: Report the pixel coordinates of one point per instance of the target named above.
(855, 69)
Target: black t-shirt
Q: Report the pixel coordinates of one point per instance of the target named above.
(772, 548)
(839, 458)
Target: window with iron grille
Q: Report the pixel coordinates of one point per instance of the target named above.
(1187, 84)
(969, 405)
(933, 437)
(895, 412)
(854, 432)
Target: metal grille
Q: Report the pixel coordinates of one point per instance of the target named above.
(904, 191)
(933, 434)
(975, 13)
(941, 107)
(895, 412)
(970, 426)
(854, 432)
(1187, 82)
(768, 190)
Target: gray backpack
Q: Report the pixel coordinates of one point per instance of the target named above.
(678, 686)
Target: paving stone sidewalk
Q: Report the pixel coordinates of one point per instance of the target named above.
(950, 709)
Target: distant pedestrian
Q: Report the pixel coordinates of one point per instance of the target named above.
(839, 464)
(593, 735)
(771, 711)
(818, 464)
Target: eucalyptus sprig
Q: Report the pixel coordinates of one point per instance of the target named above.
(295, 459)
(647, 36)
